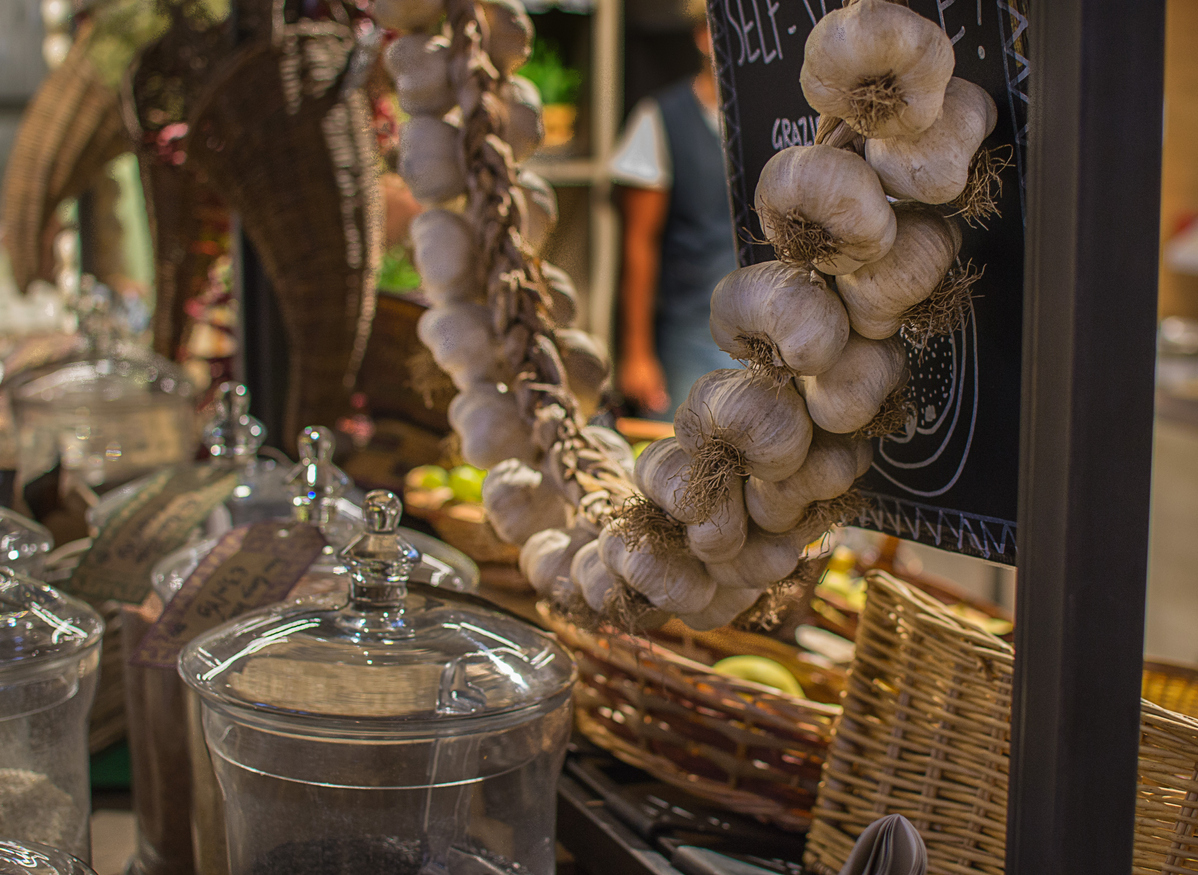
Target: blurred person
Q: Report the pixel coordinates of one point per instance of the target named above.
(677, 239)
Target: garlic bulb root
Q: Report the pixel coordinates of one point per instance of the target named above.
(824, 207)
(735, 423)
(641, 523)
(879, 66)
(946, 310)
(894, 415)
(877, 295)
(979, 200)
(778, 319)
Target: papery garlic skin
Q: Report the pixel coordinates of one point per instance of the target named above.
(429, 160)
(659, 473)
(595, 582)
(588, 368)
(676, 582)
(933, 167)
(829, 471)
(519, 502)
(726, 605)
(765, 559)
(524, 128)
(444, 253)
(563, 296)
(508, 39)
(420, 66)
(721, 538)
(546, 557)
(408, 14)
(834, 189)
(784, 307)
(877, 294)
(879, 66)
(490, 425)
(536, 203)
(847, 397)
(618, 449)
(461, 340)
(768, 423)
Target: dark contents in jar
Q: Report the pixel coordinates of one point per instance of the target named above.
(377, 856)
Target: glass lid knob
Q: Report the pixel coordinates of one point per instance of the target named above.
(233, 433)
(379, 559)
(316, 481)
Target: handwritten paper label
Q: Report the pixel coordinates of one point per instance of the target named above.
(156, 521)
(251, 567)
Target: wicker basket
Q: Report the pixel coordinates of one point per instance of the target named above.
(1172, 685)
(926, 734)
(748, 747)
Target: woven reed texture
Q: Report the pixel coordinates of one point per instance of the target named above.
(745, 746)
(926, 734)
(295, 158)
(69, 131)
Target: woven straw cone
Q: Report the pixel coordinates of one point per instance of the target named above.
(750, 748)
(926, 734)
(282, 172)
(70, 130)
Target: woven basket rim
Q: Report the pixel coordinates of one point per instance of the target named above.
(635, 643)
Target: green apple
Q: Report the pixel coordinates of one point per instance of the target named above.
(466, 481)
(639, 447)
(429, 477)
(761, 670)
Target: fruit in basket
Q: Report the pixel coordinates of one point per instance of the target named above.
(971, 615)
(639, 447)
(760, 670)
(428, 477)
(845, 590)
(466, 481)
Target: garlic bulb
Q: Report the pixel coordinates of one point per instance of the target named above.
(593, 579)
(429, 159)
(726, 605)
(824, 206)
(674, 582)
(765, 559)
(460, 338)
(524, 129)
(721, 538)
(734, 420)
(659, 473)
(617, 448)
(878, 294)
(520, 502)
(420, 66)
(832, 464)
(408, 14)
(443, 249)
(509, 34)
(879, 66)
(490, 426)
(588, 369)
(537, 205)
(546, 556)
(847, 397)
(933, 167)
(563, 297)
(782, 319)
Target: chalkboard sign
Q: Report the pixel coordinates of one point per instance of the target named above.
(952, 480)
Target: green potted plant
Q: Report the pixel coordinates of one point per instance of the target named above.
(559, 86)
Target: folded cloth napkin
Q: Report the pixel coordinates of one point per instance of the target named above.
(889, 846)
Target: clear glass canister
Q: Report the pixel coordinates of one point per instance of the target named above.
(404, 730)
(33, 858)
(24, 544)
(49, 653)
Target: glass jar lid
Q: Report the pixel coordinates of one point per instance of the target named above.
(33, 858)
(38, 622)
(397, 657)
(23, 543)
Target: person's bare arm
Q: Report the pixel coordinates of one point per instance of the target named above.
(640, 373)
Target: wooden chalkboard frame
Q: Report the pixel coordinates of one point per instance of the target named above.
(952, 480)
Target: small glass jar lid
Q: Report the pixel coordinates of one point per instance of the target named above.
(23, 543)
(398, 657)
(37, 622)
(33, 858)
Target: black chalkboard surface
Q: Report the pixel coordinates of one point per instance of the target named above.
(952, 480)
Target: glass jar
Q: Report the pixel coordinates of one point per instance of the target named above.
(32, 858)
(405, 730)
(23, 543)
(49, 653)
